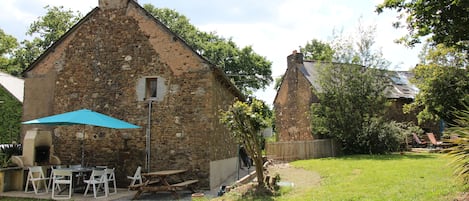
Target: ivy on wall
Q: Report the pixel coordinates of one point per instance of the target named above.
(10, 118)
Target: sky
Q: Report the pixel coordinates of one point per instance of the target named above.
(274, 28)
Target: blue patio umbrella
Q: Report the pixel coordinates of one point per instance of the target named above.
(83, 117)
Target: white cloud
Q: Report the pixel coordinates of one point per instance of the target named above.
(10, 12)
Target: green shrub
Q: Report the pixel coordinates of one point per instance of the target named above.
(407, 129)
(10, 118)
(380, 137)
(4, 160)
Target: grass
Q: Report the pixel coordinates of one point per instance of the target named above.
(412, 176)
(380, 177)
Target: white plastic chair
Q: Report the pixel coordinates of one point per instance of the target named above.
(97, 178)
(51, 176)
(111, 177)
(80, 176)
(137, 176)
(35, 176)
(62, 177)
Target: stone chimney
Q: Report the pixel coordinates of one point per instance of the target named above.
(295, 57)
(113, 4)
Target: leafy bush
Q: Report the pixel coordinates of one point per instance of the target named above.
(4, 160)
(380, 137)
(10, 118)
(407, 129)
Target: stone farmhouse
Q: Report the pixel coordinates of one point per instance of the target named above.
(121, 61)
(295, 96)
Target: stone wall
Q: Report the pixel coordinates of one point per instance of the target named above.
(293, 102)
(99, 66)
(396, 113)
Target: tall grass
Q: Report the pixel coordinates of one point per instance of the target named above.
(380, 177)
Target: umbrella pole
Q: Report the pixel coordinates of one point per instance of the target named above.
(148, 137)
(83, 148)
(82, 153)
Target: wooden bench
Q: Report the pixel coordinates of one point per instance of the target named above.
(137, 186)
(185, 183)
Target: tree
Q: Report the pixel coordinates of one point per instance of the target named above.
(443, 81)
(47, 29)
(317, 50)
(278, 82)
(358, 48)
(8, 44)
(53, 25)
(244, 67)
(351, 100)
(25, 55)
(245, 121)
(444, 21)
(351, 97)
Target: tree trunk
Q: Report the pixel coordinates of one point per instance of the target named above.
(259, 170)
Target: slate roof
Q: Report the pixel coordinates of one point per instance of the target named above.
(14, 85)
(310, 71)
(400, 84)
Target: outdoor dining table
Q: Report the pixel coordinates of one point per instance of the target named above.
(78, 173)
(158, 181)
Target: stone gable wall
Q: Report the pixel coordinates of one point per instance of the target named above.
(292, 105)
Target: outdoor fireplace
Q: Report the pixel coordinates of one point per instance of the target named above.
(42, 154)
(37, 150)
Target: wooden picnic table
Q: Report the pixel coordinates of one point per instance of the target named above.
(157, 181)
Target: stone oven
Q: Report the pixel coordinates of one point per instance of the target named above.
(37, 150)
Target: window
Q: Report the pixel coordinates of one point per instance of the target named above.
(151, 88)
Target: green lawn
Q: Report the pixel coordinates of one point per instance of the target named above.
(382, 177)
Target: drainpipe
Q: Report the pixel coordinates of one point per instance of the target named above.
(148, 136)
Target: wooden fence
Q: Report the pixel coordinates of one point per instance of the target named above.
(297, 150)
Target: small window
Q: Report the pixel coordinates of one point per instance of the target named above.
(151, 88)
